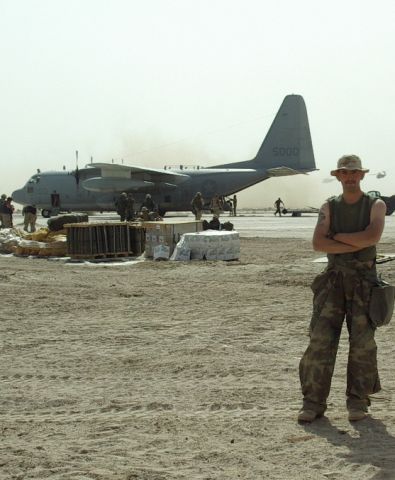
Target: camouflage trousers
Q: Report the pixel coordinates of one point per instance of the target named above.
(340, 293)
(216, 212)
(6, 220)
(29, 220)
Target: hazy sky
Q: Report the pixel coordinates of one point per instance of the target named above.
(158, 82)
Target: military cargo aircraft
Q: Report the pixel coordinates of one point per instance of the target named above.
(286, 150)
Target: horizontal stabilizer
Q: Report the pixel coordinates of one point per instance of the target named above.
(282, 172)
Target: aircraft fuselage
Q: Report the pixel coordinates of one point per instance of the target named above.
(64, 190)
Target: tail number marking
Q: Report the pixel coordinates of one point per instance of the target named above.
(285, 151)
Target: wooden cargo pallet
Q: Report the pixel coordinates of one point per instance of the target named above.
(98, 256)
(106, 240)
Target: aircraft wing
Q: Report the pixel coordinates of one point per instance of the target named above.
(118, 178)
(154, 175)
(282, 171)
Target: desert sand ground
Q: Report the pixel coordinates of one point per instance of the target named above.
(165, 370)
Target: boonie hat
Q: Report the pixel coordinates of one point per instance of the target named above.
(349, 162)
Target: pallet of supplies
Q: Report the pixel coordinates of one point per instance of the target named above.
(208, 245)
(167, 232)
(104, 240)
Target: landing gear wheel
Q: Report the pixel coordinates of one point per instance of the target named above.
(46, 213)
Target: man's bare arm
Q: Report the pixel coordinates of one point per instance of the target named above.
(321, 241)
(372, 234)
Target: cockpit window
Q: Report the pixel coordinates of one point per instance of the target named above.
(34, 179)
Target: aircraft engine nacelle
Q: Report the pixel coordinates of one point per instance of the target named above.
(113, 184)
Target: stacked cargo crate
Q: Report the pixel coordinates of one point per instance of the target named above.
(110, 239)
(167, 233)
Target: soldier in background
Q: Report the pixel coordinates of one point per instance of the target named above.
(148, 203)
(234, 205)
(2, 209)
(55, 199)
(129, 207)
(7, 209)
(144, 214)
(229, 203)
(120, 204)
(29, 213)
(197, 205)
(216, 205)
(278, 204)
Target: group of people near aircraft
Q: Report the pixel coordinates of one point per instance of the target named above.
(125, 207)
(216, 207)
(7, 210)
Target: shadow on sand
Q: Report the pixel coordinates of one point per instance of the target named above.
(374, 446)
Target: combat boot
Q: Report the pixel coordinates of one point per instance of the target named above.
(307, 416)
(354, 415)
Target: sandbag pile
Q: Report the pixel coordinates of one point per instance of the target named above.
(43, 243)
(9, 239)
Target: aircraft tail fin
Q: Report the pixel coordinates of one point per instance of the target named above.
(287, 148)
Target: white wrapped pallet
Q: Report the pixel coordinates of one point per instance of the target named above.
(161, 252)
(209, 245)
(181, 252)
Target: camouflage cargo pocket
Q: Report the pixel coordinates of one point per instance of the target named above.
(321, 286)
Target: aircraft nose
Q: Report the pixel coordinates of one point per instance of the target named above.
(19, 196)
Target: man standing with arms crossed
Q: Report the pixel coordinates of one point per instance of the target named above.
(349, 227)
